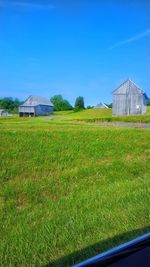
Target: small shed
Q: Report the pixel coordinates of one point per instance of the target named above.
(101, 105)
(128, 99)
(3, 113)
(36, 106)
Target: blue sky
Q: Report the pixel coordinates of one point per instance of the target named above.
(73, 48)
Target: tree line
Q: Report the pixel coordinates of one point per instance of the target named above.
(9, 104)
(60, 104)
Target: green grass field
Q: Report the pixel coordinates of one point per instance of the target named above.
(68, 192)
(103, 115)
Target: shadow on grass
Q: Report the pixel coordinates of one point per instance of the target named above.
(97, 248)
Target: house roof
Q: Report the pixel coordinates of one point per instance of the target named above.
(36, 100)
(128, 87)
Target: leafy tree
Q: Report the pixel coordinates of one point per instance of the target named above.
(60, 103)
(57, 101)
(66, 105)
(10, 104)
(79, 103)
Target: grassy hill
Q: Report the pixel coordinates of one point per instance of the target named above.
(103, 115)
(70, 191)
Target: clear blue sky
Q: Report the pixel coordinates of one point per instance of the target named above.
(73, 48)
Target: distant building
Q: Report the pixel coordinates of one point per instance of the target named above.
(128, 99)
(35, 106)
(3, 113)
(101, 105)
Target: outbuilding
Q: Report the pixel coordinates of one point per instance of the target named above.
(36, 106)
(128, 99)
(3, 113)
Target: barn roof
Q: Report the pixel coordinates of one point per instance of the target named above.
(36, 100)
(101, 105)
(128, 87)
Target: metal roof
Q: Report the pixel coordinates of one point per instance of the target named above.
(36, 100)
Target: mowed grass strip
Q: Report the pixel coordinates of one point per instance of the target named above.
(64, 188)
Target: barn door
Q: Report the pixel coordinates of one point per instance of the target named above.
(128, 104)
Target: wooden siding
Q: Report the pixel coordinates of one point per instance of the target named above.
(129, 99)
(26, 109)
(43, 110)
(39, 110)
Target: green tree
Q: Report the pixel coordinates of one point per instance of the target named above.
(60, 103)
(10, 104)
(79, 103)
(66, 105)
(89, 107)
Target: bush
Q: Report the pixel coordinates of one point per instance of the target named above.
(77, 109)
(89, 107)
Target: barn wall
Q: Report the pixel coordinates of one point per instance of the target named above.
(129, 99)
(129, 104)
(41, 110)
(119, 104)
(144, 105)
(135, 103)
(26, 109)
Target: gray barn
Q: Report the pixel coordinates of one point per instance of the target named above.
(36, 106)
(129, 99)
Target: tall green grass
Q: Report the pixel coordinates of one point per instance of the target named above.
(87, 115)
(132, 119)
(66, 187)
(103, 115)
